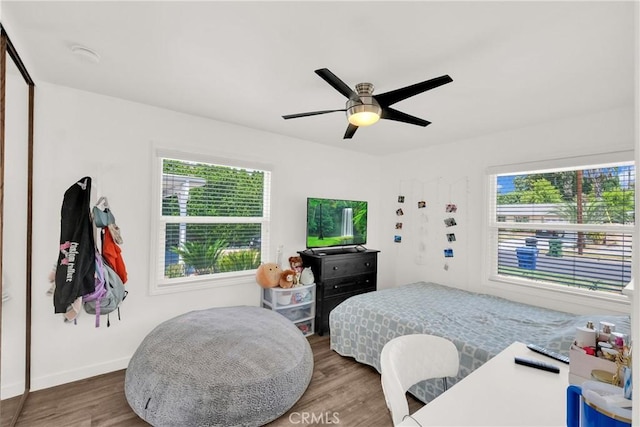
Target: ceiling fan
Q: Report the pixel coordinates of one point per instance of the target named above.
(364, 109)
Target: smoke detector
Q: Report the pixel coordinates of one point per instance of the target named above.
(85, 53)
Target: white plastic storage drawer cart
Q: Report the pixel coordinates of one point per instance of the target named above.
(297, 304)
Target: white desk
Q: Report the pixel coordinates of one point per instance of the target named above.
(501, 393)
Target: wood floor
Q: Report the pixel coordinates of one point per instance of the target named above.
(342, 392)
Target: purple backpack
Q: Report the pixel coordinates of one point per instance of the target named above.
(100, 290)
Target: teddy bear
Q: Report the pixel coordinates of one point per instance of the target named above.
(268, 275)
(286, 278)
(295, 262)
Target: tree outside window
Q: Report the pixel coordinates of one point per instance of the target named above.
(212, 218)
(568, 227)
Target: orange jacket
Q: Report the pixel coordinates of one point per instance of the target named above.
(111, 252)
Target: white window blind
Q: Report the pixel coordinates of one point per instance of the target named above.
(212, 221)
(570, 227)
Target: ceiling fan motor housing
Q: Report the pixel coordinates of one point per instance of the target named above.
(364, 89)
(366, 105)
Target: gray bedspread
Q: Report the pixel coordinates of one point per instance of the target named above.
(480, 325)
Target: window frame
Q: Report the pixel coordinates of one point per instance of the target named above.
(158, 284)
(492, 224)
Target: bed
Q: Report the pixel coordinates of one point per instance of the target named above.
(480, 325)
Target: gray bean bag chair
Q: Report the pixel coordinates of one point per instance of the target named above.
(229, 366)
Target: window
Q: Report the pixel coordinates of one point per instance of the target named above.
(212, 221)
(569, 227)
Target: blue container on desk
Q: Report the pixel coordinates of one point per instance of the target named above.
(597, 404)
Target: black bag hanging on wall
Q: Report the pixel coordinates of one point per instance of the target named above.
(75, 272)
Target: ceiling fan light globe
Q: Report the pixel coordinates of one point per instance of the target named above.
(363, 114)
(363, 119)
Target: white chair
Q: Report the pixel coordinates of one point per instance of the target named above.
(409, 359)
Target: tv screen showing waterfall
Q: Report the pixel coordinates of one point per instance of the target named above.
(334, 222)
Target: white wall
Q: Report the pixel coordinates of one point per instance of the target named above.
(78, 134)
(456, 173)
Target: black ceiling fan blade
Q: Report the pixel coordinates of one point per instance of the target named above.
(391, 97)
(310, 113)
(399, 116)
(336, 83)
(351, 129)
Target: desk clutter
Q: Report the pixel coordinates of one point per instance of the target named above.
(597, 404)
(600, 354)
(600, 376)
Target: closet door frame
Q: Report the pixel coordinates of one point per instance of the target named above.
(7, 50)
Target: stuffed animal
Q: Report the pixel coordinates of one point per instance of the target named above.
(295, 262)
(286, 278)
(306, 277)
(268, 275)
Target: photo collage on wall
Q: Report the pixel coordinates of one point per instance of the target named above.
(401, 226)
(412, 226)
(397, 238)
(450, 223)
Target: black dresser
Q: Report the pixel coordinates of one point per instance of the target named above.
(339, 274)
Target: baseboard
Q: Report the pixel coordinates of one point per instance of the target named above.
(12, 390)
(48, 381)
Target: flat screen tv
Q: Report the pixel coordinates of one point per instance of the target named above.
(335, 222)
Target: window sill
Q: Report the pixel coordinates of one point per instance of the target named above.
(599, 300)
(195, 283)
(629, 289)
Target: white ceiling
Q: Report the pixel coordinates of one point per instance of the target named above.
(513, 63)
